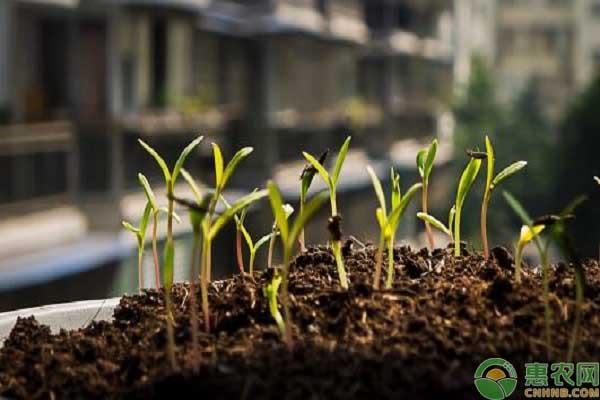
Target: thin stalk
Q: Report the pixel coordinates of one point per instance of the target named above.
(155, 250)
(428, 231)
(301, 242)
(140, 269)
(457, 232)
(251, 262)
(484, 238)
(271, 248)
(577, 321)
(204, 282)
(238, 251)
(390, 272)
(337, 248)
(518, 261)
(378, 262)
(170, 331)
(288, 338)
(193, 311)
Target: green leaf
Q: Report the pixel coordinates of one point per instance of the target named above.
(573, 205)
(306, 215)
(242, 202)
(168, 264)
(144, 221)
(490, 388)
(508, 172)
(489, 149)
(517, 208)
(247, 237)
(218, 165)
(192, 184)
(148, 190)
(232, 165)
(159, 160)
(378, 188)
(130, 228)
(263, 240)
(340, 161)
(319, 167)
(308, 175)
(435, 223)
(396, 191)
(278, 211)
(466, 181)
(397, 213)
(431, 152)
(421, 162)
(381, 218)
(183, 156)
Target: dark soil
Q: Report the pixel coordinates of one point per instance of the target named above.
(420, 340)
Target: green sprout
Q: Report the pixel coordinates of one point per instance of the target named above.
(532, 232)
(288, 238)
(169, 254)
(270, 292)
(306, 178)
(466, 181)
(288, 209)
(425, 159)
(335, 220)
(491, 183)
(439, 225)
(140, 235)
(388, 223)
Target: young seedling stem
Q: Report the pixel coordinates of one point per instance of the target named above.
(466, 181)
(425, 160)
(332, 181)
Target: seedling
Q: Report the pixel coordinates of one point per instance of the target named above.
(239, 228)
(425, 159)
(335, 220)
(140, 235)
(491, 183)
(388, 223)
(288, 209)
(466, 181)
(437, 224)
(169, 256)
(288, 238)
(270, 292)
(306, 178)
(531, 232)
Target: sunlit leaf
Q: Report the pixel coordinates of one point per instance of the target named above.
(340, 160)
(130, 227)
(489, 149)
(421, 162)
(381, 217)
(508, 172)
(396, 191)
(218, 165)
(144, 220)
(148, 190)
(466, 181)
(159, 160)
(378, 188)
(247, 237)
(263, 240)
(435, 223)
(183, 156)
(527, 233)
(278, 211)
(597, 180)
(431, 152)
(398, 212)
(451, 215)
(233, 164)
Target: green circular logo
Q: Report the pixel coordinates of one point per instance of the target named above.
(495, 379)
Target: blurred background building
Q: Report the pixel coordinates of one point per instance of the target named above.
(82, 80)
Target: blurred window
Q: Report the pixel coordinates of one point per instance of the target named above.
(159, 63)
(595, 9)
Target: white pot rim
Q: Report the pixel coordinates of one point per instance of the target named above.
(70, 316)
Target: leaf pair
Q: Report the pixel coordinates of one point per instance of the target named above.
(491, 181)
(171, 176)
(140, 232)
(389, 222)
(425, 159)
(330, 179)
(224, 173)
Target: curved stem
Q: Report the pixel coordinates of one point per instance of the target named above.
(378, 262)
(339, 261)
(155, 251)
(390, 272)
(428, 232)
(285, 300)
(204, 282)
